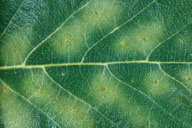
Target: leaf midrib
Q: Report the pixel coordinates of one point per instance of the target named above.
(91, 64)
(84, 63)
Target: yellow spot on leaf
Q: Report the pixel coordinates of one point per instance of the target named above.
(14, 50)
(15, 46)
(67, 40)
(140, 39)
(181, 40)
(37, 87)
(123, 44)
(188, 78)
(144, 38)
(104, 89)
(184, 75)
(69, 112)
(72, 37)
(156, 83)
(4, 89)
(14, 112)
(138, 116)
(62, 74)
(76, 116)
(70, 109)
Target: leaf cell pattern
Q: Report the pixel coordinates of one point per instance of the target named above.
(96, 64)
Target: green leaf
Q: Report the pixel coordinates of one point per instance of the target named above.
(96, 63)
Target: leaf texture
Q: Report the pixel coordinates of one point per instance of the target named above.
(96, 64)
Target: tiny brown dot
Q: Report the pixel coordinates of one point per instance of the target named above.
(104, 88)
(70, 110)
(144, 38)
(156, 81)
(123, 44)
(4, 89)
(38, 89)
(67, 40)
(96, 13)
(14, 50)
(188, 78)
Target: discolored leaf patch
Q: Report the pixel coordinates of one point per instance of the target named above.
(96, 64)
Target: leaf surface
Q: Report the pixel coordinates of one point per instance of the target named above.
(96, 64)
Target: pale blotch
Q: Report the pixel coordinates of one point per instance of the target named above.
(39, 89)
(73, 36)
(140, 39)
(185, 76)
(72, 113)
(15, 46)
(13, 112)
(103, 13)
(188, 78)
(180, 42)
(138, 115)
(156, 83)
(4, 89)
(62, 74)
(104, 89)
(135, 114)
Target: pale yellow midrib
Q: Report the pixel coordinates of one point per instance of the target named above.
(92, 64)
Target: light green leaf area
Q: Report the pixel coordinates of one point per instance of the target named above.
(96, 64)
